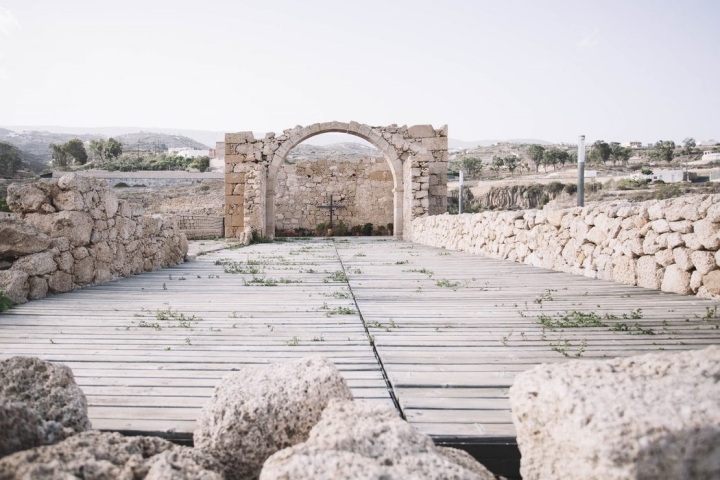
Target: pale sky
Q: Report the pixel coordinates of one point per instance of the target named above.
(612, 70)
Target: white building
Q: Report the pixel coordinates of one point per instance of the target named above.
(632, 144)
(707, 143)
(710, 156)
(189, 152)
(667, 176)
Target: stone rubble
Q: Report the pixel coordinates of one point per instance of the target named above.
(671, 245)
(365, 440)
(257, 411)
(40, 404)
(653, 416)
(72, 232)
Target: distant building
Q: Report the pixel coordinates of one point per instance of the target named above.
(707, 143)
(710, 156)
(667, 176)
(632, 144)
(189, 152)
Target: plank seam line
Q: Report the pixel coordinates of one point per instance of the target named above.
(370, 338)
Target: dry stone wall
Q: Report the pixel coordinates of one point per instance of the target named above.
(72, 232)
(671, 245)
(364, 186)
(417, 157)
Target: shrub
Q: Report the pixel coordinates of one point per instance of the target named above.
(121, 185)
(367, 229)
(341, 229)
(356, 229)
(555, 187)
(570, 189)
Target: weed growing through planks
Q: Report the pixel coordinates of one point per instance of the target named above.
(360, 254)
(164, 287)
(321, 338)
(504, 340)
(402, 262)
(144, 324)
(271, 327)
(546, 296)
(293, 342)
(341, 311)
(710, 313)
(167, 349)
(445, 283)
(427, 272)
(337, 276)
(443, 254)
(187, 340)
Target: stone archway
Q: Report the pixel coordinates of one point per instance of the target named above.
(417, 157)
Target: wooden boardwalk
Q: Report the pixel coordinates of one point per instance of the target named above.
(451, 330)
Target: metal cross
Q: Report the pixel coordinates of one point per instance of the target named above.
(332, 207)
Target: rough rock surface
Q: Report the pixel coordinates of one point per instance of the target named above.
(646, 417)
(670, 245)
(20, 428)
(366, 440)
(72, 232)
(259, 410)
(55, 407)
(96, 455)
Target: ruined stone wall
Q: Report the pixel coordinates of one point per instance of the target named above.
(364, 186)
(417, 157)
(671, 245)
(72, 232)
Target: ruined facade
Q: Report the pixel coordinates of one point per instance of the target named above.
(417, 158)
(363, 186)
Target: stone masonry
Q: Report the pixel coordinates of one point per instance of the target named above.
(417, 157)
(672, 245)
(364, 186)
(72, 232)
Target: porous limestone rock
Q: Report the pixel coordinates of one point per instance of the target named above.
(653, 416)
(259, 410)
(676, 280)
(50, 391)
(20, 428)
(367, 440)
(96, 455)
(14, 285)
(18, 239)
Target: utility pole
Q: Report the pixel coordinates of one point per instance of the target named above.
(581, 172)
(460, 194)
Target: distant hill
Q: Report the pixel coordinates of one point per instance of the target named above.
(157, 141)
(36, 145)
(455, 143)
(30, 162)
(337, 151)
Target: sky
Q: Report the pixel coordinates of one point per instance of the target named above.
(551, 70)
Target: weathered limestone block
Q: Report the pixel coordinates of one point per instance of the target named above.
(676, 280)
(711, 282)
(682, 259)
(76, 226)
(624, 270)
(649, 275)
(366, 440)
(257, 411)
(704, 262)
(18, 239)
(37, 263)
(644, 417)
(707, 234)
(102, 455)
(14, 284)
(24, 198)
(50, 391)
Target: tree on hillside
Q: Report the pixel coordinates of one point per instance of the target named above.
(689, 145)
(618, 153)
(471, 166)
(553, 156)
(572, 157)
(663, 150)
(535, 152)
(97, 149)
(497, 164)
(59, 155)
(10, 161)
(76, 149)
(511, 162)
(113, 148)
(600, 151)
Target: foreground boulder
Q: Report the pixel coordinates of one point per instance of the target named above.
(645, 417)
(40, 404)
(367, 440)
(96, 455)
(259, 410)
